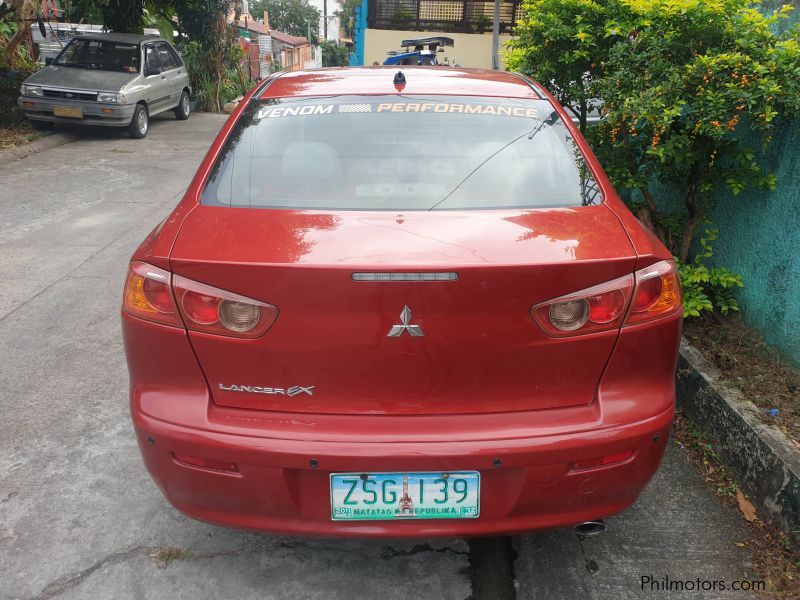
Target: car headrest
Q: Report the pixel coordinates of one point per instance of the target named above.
(309, 162)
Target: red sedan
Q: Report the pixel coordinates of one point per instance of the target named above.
(401, 305)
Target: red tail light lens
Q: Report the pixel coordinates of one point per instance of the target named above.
(657, 293)
(597, 308)
(211, 310)
(148, 296)
(151, 293)
(652, 292)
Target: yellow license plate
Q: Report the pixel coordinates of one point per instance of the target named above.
(73, 112)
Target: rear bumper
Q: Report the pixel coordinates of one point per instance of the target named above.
(94, 113)
(276, 490)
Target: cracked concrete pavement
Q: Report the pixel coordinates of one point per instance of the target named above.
(80, 517)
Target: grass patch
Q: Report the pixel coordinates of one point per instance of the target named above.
(164, 556)
(17, 135)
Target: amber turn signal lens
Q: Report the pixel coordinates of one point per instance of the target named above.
(147, 295)
(657, 293)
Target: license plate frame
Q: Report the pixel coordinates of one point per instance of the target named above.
(435, 503)
(70, 112)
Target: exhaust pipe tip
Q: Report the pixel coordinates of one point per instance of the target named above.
(590, 528)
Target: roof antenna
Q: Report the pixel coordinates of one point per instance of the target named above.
(399, 81)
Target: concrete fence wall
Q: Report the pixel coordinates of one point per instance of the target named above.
(759, 237)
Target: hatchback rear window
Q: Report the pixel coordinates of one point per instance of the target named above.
(398, 152)
(103, 55)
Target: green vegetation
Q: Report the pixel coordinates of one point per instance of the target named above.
(705, 288)
(692, 92)
(290, 16)
(333, 55)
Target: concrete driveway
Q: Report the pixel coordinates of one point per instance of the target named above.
(80, 517)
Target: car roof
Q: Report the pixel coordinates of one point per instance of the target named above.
(125, 38)
(419, 80)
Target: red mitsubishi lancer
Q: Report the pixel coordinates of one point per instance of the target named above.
(401, 304)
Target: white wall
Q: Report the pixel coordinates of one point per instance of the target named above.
(333, 24)
(470, 50)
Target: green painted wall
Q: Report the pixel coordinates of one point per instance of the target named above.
(759, 237)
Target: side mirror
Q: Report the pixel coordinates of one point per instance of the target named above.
(48, 60)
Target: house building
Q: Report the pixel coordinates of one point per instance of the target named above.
(382, 24)
(269, 50)
(294, 53)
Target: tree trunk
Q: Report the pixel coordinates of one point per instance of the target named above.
(22, 10)
(694, 213)
(583, 117)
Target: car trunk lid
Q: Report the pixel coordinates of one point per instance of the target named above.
(355, 336)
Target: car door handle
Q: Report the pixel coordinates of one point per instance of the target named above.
(163, 77)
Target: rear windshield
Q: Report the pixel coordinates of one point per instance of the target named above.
(400, 152)
(100, 55)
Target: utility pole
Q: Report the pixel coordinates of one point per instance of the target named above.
(325, 19)
(496, 37)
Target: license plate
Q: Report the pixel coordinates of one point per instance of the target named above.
(74, 112)
(403, 496)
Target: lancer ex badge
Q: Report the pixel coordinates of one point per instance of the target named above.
(257, 389)
(405, 320)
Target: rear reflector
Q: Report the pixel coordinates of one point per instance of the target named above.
(206, 463)
(601, 461)
(449, 276)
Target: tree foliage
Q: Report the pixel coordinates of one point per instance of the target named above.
(290, 16)
(692, 91)
(347, 16)
(333, 55)
(123, 15)
(561, 43)
(213, 59)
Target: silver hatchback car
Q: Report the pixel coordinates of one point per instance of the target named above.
(110, 79)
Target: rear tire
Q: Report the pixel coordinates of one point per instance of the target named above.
(42, 125)
(140, 123)
(184, 108)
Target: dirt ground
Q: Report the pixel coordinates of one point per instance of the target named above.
(772, 555)
(765, 377)
(16, 135)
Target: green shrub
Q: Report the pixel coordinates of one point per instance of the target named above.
(707, 289)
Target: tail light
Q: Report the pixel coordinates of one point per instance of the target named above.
(148, 296)
(156, 295)
(658, 292)
(652, 292)
(597, 308)
(211, 310)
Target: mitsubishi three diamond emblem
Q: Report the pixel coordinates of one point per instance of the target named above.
(405, 320)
